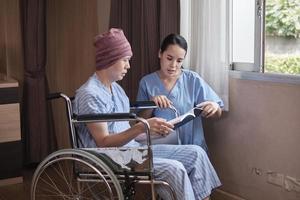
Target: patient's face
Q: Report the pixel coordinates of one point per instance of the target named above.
(171, 61)
(119, 69)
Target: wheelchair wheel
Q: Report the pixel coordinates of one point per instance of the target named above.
(74, 174)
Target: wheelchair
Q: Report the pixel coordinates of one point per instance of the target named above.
(95, 173)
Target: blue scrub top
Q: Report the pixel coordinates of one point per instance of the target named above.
(189, 90)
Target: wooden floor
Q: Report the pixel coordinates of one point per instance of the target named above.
(20, 191)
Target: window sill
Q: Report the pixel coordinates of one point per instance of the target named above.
(270, 77)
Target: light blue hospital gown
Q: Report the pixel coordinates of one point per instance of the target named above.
(189, 90)
(186, 168)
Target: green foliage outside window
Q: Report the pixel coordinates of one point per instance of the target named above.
(282, 64)
(283, 18)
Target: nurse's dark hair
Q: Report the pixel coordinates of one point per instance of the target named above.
(172, 39)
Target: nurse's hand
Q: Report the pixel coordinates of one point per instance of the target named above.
(210, 109)
(162, 101)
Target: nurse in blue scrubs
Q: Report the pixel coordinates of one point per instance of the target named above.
(174, 87)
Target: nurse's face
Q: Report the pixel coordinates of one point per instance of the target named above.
(171, 60)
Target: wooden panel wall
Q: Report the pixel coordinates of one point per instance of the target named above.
(2, 37)
(71, 26)
(11, 65)
(10, 122)
(10, 129)
(11, 58)
(10, 132)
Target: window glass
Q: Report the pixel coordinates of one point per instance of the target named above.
(243, 24)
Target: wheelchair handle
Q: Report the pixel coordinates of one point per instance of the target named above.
(55, 95)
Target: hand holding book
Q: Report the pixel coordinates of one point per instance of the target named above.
(172, 137)
(210, 109)
(205, 109)
(190, 115)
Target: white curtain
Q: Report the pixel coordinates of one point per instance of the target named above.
(205, 25)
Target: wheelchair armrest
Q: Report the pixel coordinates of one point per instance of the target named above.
(137, 105)
(105, 117)
(89, 118)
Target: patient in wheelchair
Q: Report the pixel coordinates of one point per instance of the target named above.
(185, 167)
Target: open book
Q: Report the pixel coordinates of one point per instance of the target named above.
(183, 119)
(172, 138)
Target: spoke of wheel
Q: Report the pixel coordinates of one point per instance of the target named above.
(60, 172)
(52, 184)
(87, 188)
(58, 179)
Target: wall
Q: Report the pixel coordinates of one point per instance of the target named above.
(11, 65)
(255, 146)
(71, 26)
(11, 56)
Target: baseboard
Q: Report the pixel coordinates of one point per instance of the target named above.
(223, 195)
(10, 181)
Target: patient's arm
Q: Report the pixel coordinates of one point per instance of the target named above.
(146, 113)
(144, 109)
(99, 131)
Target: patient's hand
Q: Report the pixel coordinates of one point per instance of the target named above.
(160, 126)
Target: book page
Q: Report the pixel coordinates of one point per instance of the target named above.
(177, 122)
(197, 111)
(182, 117)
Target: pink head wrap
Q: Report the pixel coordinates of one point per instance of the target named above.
(110, 47)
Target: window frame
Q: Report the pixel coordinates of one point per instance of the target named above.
(256, 71)
(259, 47)
(259, 44)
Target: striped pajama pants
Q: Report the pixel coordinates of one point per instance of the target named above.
(186, 168)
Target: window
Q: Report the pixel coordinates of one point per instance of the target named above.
(265, 36)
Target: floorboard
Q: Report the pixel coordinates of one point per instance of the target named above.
(20, 191)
